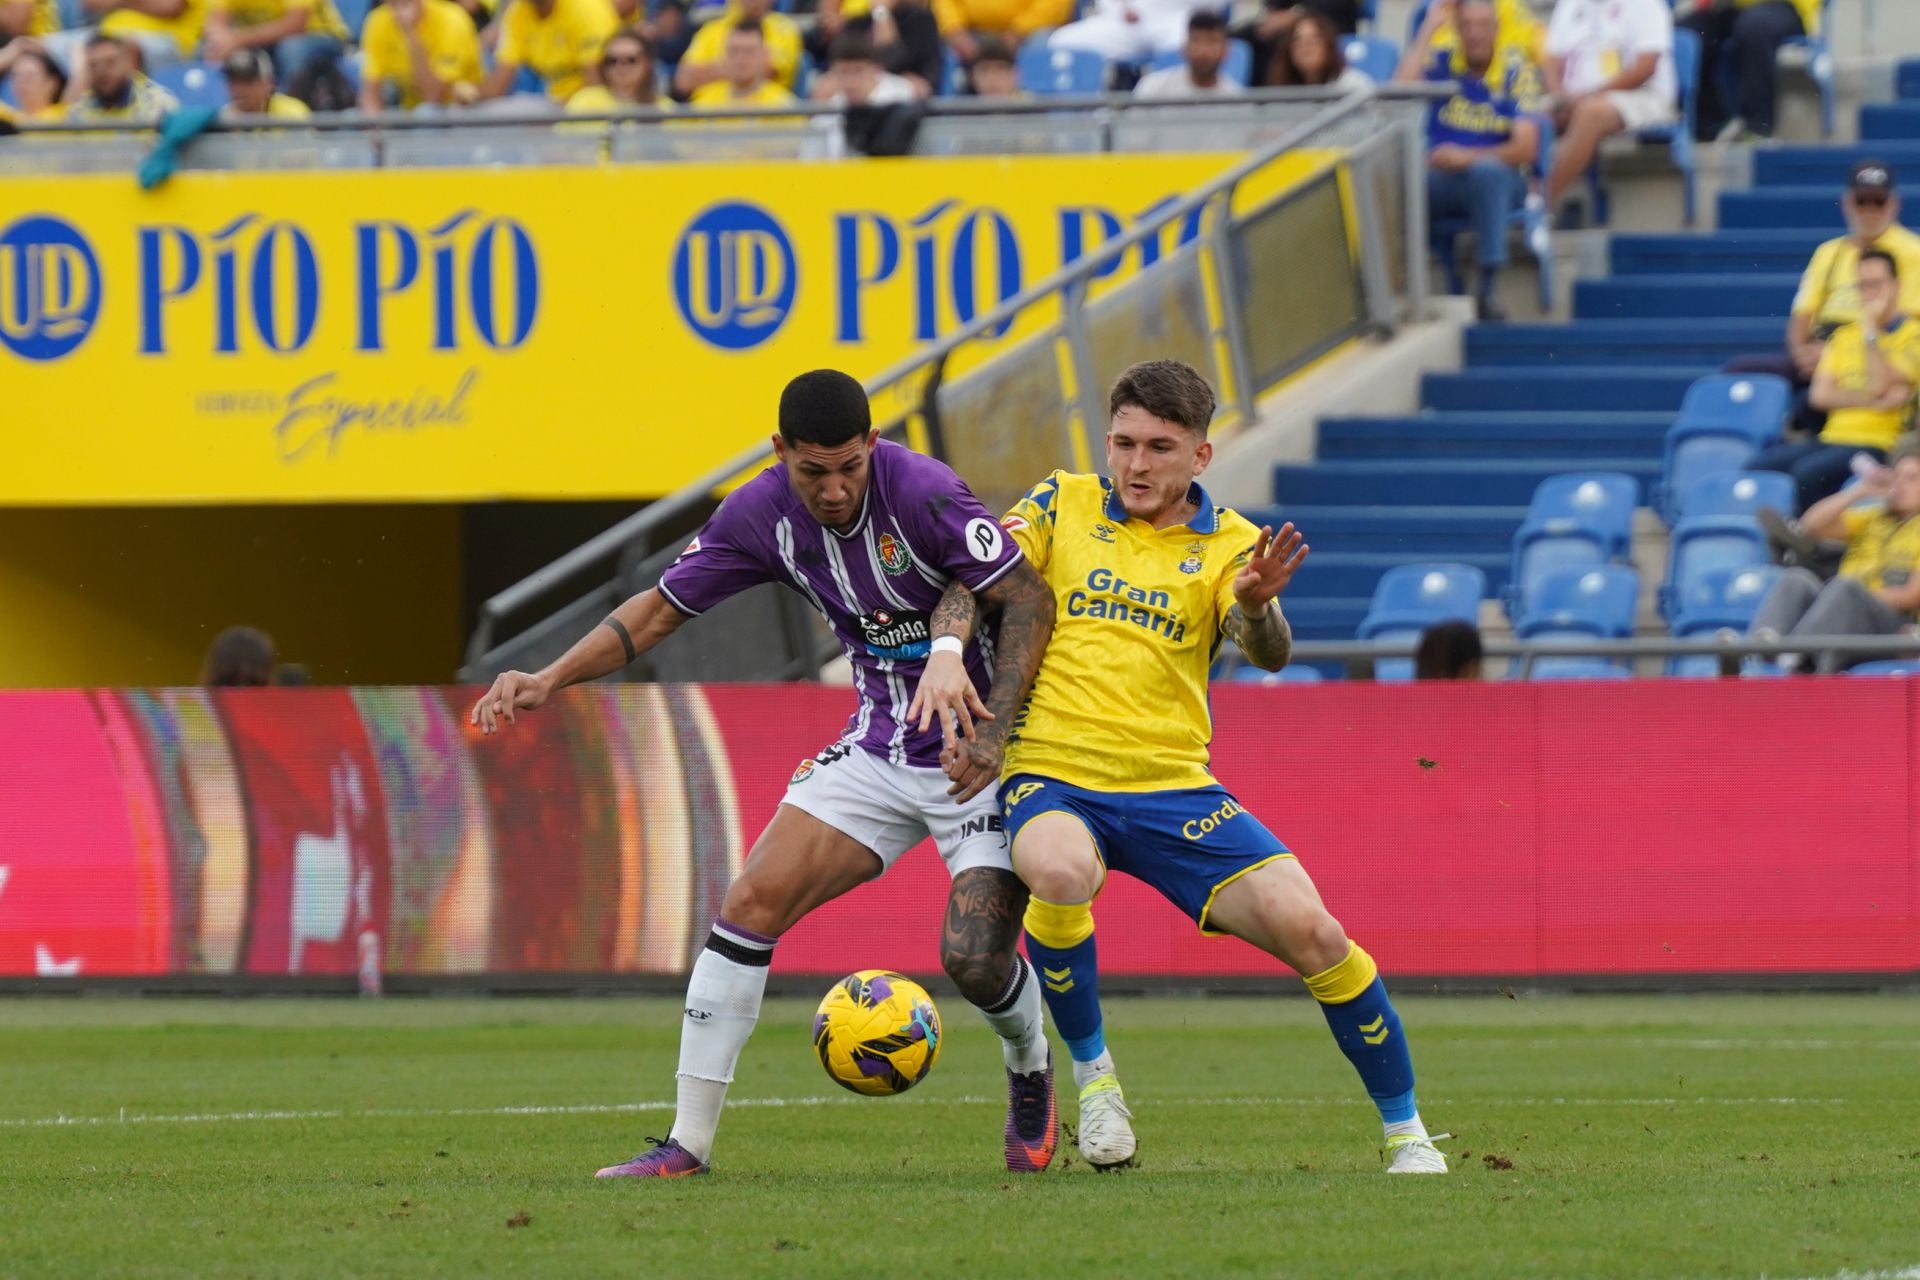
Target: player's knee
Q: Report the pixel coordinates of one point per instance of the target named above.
(752, 905)
(1322, 943)
(1061, 875)
(981, 976)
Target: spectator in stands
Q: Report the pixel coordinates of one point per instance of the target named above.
(1480, 139)
(1449, 651)
(1877, 590)
(1270, 32)
(904, 34)
(1311, 55)
(746, 71)
(965, 24)
(250, 85)
(165, 31)
(300, 34)
(1132, 31)
(20, 18)
(1864, 383)
(241, 657)
(668, 33)
(1516, 31)
(34, 81)
(1828, 297)
(560, 39)
(993, 73)
(1748, 34)
(854, 77)
(116, 89)
(706, 56)
(1609, 70)
(419, 52)
(1199, 73)
(628, 78)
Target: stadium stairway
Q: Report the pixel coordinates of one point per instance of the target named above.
(1451, 482)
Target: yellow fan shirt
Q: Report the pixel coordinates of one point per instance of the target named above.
(560, 47)
(1845, 359)
(1120, 703)
(446, 33)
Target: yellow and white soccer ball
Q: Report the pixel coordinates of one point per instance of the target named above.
(877, 1033)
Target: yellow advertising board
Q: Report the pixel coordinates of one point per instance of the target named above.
(454, 335)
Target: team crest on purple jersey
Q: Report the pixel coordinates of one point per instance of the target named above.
(894, 557)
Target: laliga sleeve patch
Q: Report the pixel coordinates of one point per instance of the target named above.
(983, 540)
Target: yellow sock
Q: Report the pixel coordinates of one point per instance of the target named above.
(1059, 924)
(1344, 981)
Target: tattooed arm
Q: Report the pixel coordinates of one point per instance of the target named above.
(1254, 621)
(1265, 637)
(1025, 604)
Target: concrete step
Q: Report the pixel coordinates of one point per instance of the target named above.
(1355, 574)
(1890, 122)
(1781, 208)
(1829, 164)
(1690, 298)
(1740, 252)
(1616, 342)
(1476, 482)
(1408, 532)
(1462, 435)
(1626, 388)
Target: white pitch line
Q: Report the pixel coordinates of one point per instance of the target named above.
(620, 1108)
(1904, 1273)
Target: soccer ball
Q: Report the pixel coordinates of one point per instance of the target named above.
(877, 1033)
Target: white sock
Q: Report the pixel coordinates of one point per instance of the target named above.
(723, 1002)
(1403, 1128)
(1085, 1073)
(1018, 1020)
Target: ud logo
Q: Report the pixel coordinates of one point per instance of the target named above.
(1103, 531)
(735, 275)
(1196, 556)
(49, 288)
(894, 556)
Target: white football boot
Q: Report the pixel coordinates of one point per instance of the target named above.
(1412, 1153)
(1106, 1126)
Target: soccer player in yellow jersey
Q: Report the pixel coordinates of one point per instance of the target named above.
(1105, 768)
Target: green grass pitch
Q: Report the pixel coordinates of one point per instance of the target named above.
(1597, 1136)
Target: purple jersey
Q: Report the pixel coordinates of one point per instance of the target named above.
(919, 527)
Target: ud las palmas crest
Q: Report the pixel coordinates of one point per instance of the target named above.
(1196, 556)
(894, 556)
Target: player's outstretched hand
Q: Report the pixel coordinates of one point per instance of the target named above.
(1275, 558)
(512, 691)
(946, 691)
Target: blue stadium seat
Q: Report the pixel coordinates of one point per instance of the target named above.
(354, 14)
(1378, 56)
(1577, 520)
(1577, 669)
(1724, 420)
(1887, 667)
(1703, 545)
(1060, 71)
(1719, 599)
(1739, 493)
(1238, 67)
(1819, 49)
(1600, 602)
(1413, 597)
(196, 84)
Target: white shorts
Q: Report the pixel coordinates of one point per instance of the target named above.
(1643, 108)
(892, 807)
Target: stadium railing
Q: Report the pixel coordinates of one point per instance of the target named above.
(1258, 287)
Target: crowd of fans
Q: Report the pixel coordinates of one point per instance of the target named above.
(599, 55)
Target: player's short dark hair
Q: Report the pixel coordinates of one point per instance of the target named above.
(100, 39)
(851, 46)
(1206, 20)
(992, 49)
(824, 407)
(1448, 651)
(1881, 255)
(1169, 389)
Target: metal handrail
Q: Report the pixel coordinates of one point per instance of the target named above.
(936, 108)
(643, 523)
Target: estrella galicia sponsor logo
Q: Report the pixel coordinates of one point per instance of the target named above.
(901, 635)
(1197, 828)
(735, 275)
(49, 288)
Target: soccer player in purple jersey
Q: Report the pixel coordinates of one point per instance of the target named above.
(870, 533)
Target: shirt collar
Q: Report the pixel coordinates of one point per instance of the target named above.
(1206, 519)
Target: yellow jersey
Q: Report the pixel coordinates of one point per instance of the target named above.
(1515, 29)
(718, 93)
(46, 18)
(1120, 703)
(1845, 359)
(562, 46)
(785, 44)
(322, 18)
(1882, 549)
(1830, 287)
(183, 28)
(447, 35)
